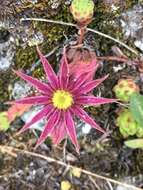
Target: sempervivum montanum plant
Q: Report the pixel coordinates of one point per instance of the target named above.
(128, 126)
(82, 10)
(125, 88)
(62, 99)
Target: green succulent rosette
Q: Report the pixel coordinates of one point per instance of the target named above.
(4, 122)
(127, 125)
(82, 10)
(124, 89)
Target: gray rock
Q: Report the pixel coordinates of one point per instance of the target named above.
(30, 114)
(20, 90)
(132, 25)
(132, 180)
(54, 4)
(7, 51)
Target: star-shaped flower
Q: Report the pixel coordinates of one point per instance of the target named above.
(63, 99)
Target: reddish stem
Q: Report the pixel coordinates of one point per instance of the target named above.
(81, 35)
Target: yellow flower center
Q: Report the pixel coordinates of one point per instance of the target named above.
(62, 99)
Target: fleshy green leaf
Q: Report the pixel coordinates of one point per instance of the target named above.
(76, 172)
(4, 122)
(135, 143)
(136, 108)
(65, 185)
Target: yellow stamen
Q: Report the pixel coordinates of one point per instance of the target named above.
(62, 99)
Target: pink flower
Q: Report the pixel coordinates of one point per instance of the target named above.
(63, 99)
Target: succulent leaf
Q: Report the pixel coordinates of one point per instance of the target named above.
(135, 143)
(4, 122)
(136, 107)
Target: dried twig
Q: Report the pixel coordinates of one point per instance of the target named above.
(8, 149)
(119, 59)
(110, 186)
(94, 183)
(88, 29)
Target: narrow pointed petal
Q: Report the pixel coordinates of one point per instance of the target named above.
(87, 87)
(92, 100)
(77, 82)
(64, 71)
(35, 100)
(86, 118)
(79, 67)
(81, 80)
(58, 133)
(70, 128)
(52, 122)
(46, 111)
(35, 82)
(51, 76)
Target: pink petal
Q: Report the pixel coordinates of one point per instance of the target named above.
(33, 100)
(87, 87)
(64, 71)
(92, 100)
(58, 133)
(52, 122)
(81, 80)
(46, 111)
(85, 117)
(51, 76)
(70, 128)
(35, 82)
(75, 83)
(79, 67)
(17, 110)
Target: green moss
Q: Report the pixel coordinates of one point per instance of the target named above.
(25, 57)
(106, 21)
(130, 4)
(53, 35)
(4, 83)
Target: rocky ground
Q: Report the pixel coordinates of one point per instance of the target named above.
(104, 155)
